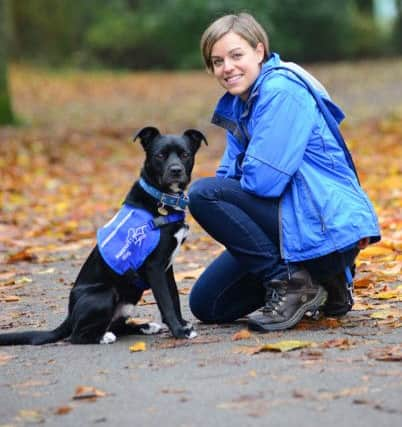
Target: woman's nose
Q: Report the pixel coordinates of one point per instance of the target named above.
(227, 65)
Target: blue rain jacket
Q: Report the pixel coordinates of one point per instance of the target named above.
(127, 240)
(279, 145)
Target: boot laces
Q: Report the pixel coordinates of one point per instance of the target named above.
(274, 296)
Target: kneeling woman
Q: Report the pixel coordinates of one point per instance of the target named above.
(286, 201)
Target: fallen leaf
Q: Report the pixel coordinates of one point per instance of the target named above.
(47, 271)
(394, 293)
(87, 392)
(364, 281)
(63, 410)
(284, 346)
(386, 314)
(342, 343)
(4, 358)
(190, 274)
(11, 298)
(376, 251)
(280, 346)
(244, 334)
(31, 416)
(138, 346)
(23, 255)
(322, 323)
(391, 353)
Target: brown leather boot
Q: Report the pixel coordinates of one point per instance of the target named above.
(287, 301)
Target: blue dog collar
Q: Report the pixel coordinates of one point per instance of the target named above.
(175, 201)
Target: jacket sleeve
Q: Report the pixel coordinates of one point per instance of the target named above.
(280, 130)
(232, 150)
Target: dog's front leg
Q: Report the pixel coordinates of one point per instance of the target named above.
(176, 301)
(157, 279)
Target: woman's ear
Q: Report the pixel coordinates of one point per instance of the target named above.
(260, 51)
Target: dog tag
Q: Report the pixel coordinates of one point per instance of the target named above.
(162, 210)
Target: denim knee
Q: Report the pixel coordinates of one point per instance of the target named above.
(201, 309)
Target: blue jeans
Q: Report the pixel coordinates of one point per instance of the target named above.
(247, 226)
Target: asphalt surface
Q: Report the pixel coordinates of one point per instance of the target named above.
(202, 382)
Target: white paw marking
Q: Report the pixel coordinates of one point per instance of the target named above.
(192, 335)
(108, 338)
(153, 328)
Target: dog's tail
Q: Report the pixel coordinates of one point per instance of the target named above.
(37, 337)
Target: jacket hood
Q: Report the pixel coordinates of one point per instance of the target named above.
(229, 103)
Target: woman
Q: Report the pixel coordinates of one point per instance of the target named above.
(285, 201)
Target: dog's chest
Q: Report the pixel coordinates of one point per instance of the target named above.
(180, 236)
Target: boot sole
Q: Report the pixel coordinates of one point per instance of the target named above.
(312, 305)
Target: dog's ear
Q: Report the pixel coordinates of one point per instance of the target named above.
(195, 137)
(147, 135)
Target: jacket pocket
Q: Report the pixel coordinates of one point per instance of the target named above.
(309, 204)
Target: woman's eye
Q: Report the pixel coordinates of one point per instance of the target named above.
(217, 62)
(237, 55)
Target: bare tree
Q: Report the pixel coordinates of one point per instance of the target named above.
(6, 113)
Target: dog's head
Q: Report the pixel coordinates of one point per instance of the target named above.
(169, 159)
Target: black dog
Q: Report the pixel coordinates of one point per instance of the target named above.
(132, 256)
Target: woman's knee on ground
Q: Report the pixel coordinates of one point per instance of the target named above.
(202, 309)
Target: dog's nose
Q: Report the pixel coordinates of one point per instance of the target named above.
(175, 170)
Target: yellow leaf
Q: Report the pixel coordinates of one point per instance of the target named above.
(23, 279)
(375, 251)
(138, 346)
(286, 345)
(31, 416)
(385, 314)
(280, 346)
(387, 294)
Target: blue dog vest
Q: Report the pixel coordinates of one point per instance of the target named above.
(129, 238)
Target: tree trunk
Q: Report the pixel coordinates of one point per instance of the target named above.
(6, 113)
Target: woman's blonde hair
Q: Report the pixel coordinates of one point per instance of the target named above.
(243, 25)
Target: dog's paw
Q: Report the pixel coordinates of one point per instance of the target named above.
(192, 334)
(186, 331)
(108, 338)
(151, 328)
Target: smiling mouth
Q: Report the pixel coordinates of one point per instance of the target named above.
(232, 80)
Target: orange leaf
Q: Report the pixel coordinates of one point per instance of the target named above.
(244, 334)
(63, 410)
(87, 392)
(23, 255)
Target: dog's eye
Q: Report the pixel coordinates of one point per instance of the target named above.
(184, 155)
(160, 156)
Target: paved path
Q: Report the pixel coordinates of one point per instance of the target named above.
(194, 383)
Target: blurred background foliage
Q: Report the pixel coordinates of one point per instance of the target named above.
(164, 34)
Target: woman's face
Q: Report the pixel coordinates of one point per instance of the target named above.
(236, 64)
